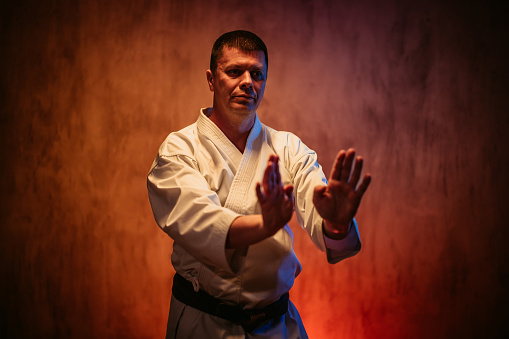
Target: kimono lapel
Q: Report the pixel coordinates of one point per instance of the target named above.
(237, 200)
(221, 141)
(245, 163)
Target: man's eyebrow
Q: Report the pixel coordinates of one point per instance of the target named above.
(257, 68)
(241, 65)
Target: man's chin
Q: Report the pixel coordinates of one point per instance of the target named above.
(243, 109)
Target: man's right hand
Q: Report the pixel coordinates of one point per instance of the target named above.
(276, 200)
(276, 203)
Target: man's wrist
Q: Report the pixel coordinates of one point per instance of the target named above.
(336, 231)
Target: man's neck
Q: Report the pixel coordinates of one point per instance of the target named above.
(236, 127)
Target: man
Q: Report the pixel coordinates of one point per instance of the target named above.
(232, 250)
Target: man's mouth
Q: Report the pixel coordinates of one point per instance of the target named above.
(247, 97)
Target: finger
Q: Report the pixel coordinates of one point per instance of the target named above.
(272, 168)
(277, 173)
(276, 193)
(259, 194)
(347, 165)
(364, 185)
(356, 174)
(267, 177)
(271, 175)
(336, 168)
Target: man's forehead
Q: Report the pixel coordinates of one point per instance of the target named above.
(231, 55)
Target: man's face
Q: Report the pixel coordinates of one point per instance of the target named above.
(239, 81)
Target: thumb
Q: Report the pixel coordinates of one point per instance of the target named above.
(259, 194)
(318, 193)
(288, 190)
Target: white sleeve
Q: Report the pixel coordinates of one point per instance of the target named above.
(338, 250)
(188, 211)
(307, 174)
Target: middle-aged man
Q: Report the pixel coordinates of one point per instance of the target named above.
(224, 189)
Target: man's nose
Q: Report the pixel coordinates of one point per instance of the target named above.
(246, 81)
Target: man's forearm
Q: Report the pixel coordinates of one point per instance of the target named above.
(246, 230)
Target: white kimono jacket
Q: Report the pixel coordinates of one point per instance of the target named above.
(200, 182)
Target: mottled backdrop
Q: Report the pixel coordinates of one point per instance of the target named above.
(89, 89)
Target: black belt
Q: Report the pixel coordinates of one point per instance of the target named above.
(249, 319)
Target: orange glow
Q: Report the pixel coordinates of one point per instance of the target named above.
(89, 90)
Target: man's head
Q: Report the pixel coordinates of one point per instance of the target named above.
(242, 40)
(237, 74)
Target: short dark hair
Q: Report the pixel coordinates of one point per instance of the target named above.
(242, 40)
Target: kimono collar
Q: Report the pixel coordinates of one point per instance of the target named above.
(210, 130)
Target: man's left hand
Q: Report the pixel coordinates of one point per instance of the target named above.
(338, 202)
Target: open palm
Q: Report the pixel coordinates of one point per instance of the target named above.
(338, 201)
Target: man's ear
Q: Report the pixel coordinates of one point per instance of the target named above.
(210, 80)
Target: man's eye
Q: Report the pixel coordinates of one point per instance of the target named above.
(257, 76)
(234, 72)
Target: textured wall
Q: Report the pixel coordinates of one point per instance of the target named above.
(90, 89)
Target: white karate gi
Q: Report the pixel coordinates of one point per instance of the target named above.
(198, 184)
